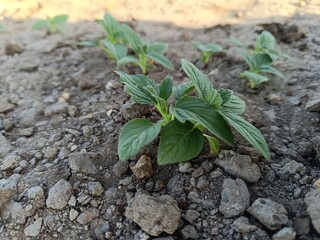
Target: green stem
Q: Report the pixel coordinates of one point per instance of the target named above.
(143, 63)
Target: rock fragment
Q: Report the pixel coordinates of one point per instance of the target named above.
(154, 214)
(59, 194)
(271, 214)
(240, 166)
(313, 207)
(235, 197)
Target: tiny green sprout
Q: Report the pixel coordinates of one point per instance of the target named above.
(187, 121)
(145, 53)
(207, 50)
(261, 59)
(114, 42)
(52, 25)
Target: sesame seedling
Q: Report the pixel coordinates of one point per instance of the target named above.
(52, 25)
(207, 50)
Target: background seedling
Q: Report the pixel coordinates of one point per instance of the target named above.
(207, 50)
(261, 59)
(187, 122)
(145, 53)
(2, 27)
(114, 42)
(52, 25)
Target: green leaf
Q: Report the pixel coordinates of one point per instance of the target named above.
(249, 132)
(198, 110)
(159, 58)
(128, 60)
(179, 142)
(134, 40)
(182, 89)
(94, 43)
(270, 69)
(234, 104)
(60, 19)
(166, 88)
(159, 48)
(137, 87)
(111, 26)
(255, 77)
(213, 143)
(202, 84)
(211, 47)
(237, 43)
(225, 94)
(118, 51)
(261, 59)
(245, 55)
(41, 24)
(135, 135)
(265, 41)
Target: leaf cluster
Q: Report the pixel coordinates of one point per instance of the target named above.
(188, 120)
(119, 38)
(260, 60)
(52, 25)
(207, 50)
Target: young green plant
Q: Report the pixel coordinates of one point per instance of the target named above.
(207, 50)
(52, 25)
(145, 53)
(114, 42)
(260, 60)
(186, 123)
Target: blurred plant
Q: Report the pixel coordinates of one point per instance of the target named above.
(188, 122)
(114, 42)
(261, 59)
(145, 53)
(52, 25)
(207, 50)
(2, 27)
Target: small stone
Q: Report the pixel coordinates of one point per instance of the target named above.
(95, 188)
(51, 153)
(293, 167)
(191, 216)
(59, 194)
(313, 207)
(286, 233)
(154, 214)
(87, 216)
(81, 162)
(271, 214)
(143, 168)
(28, 66)
(56, 108)
(12, 49)
(190, 232)
(235, 197)
(5, 106)
(302, 226)
(198, 172)
(216, 173)
(73, 214)
(5, 146)
(10, 162)
(86, 81)
(317, 184)
(15, 213)
(72, 201)
(269, 116)
(87, 131)
(202, 182)
(240, 166)
(27, 132)
(8, 187)
(184, 167)
(34, 228)
(120, 168)
(242, 225)
(35, 192)
(274, 99)
(313, 105)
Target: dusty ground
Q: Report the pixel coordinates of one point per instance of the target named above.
(62, 108)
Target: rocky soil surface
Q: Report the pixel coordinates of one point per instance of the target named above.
(61, 109)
